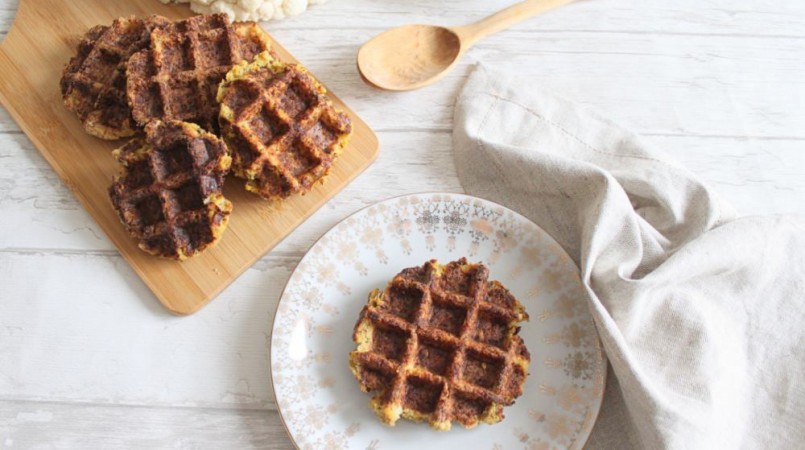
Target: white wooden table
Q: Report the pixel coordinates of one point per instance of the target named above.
(88, 357)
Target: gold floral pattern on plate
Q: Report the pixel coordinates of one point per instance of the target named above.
(318, 398)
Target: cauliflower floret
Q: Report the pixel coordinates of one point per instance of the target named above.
(257, 10)
(251, 5)
(198, 8)
(266, 9)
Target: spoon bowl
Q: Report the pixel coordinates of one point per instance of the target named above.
(413, 56)
(422, 54)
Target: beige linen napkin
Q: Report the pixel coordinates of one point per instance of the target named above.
(701, 314)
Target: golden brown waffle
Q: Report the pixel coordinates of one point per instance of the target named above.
(177, 77)
(168, 194)
(441, 344)
(93, 85)
(283, 131)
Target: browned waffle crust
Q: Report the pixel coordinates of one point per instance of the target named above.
(93, 85)
(283, 131)
(168, 194)
(177, 77)
(441, 344)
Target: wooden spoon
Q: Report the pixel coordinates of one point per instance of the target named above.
(413, 56)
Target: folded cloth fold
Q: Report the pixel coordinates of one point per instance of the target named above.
(700, 313)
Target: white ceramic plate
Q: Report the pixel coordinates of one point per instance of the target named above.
(318, 397)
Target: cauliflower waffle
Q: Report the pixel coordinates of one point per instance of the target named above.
(93, 85)
(165, 79)
(177, 77)
(257, 10)
(168, 194)
(441, 344)
(283, 131)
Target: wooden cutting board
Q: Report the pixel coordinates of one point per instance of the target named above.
(32, 57)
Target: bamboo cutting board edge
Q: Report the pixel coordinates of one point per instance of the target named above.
(190, 296)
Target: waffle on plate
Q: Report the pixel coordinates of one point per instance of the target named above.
(283, 131)
(177, 77)
(441, 344)
(168, 194)
(93, 85)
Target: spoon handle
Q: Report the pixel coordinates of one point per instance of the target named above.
(501, 20)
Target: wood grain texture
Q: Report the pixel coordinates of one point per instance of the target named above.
(86, 166)
(35, 425)
(88, 359)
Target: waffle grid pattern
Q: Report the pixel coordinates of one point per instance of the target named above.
(440, 344)
(169, 194)
(93, 84)
(177, 77)
(283, 131)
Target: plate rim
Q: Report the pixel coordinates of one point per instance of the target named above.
(605, 359)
